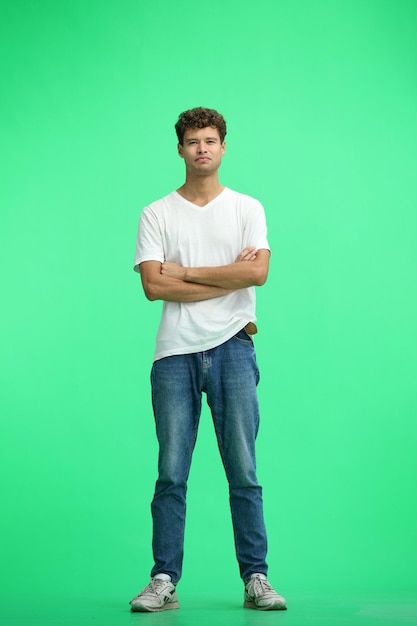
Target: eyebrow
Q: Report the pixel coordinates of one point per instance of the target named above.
(206, 138)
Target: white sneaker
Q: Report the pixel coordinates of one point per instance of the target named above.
(159, 595)
(260, 595)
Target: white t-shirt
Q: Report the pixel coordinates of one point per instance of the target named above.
(174, 229)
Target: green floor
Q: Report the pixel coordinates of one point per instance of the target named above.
(203, 609)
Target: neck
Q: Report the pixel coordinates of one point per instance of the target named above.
(200, 190)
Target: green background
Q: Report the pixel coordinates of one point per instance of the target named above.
(321, 104)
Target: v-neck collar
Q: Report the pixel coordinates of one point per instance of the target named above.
(197, 206)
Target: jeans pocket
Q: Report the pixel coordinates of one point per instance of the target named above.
(243, 337)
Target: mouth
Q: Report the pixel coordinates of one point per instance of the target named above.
(203, 159)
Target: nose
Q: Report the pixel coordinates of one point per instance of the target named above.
(201, 147)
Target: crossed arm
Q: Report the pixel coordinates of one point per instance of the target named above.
(174, 283)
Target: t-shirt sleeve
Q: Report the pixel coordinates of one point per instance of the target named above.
(149, 242)
(255, 229)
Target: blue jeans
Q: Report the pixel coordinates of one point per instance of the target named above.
(228, 374)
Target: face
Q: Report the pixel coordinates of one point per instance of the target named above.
(202, 150)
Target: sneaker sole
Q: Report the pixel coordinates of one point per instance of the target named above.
(270, 607)
(147, 609)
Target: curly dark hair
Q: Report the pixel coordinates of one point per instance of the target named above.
(200, 118)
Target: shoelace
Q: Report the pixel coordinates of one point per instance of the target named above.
(155, 586)
(260, 586)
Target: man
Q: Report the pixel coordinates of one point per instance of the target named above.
(202, 249)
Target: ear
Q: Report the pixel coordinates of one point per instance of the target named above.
(180, 151)
(223, 148)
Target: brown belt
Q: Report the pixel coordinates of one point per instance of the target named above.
(250, 328)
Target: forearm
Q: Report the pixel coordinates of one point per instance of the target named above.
(175, 290)
(233, 276)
